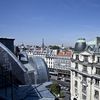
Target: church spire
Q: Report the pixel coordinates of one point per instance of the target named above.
(43, 43)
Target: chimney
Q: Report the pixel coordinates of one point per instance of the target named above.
(9, 43)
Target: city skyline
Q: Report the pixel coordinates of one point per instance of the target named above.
(57, 21)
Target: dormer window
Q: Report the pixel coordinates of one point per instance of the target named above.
(77, 57)
(84, 69)
(76, 65)
(86, 58)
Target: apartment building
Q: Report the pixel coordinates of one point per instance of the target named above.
(85, 71)
(55, 60)
(60, 61)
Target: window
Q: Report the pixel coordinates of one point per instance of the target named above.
(93, 57)
(84, 89)
(96, 95)
(76, 84)
(76, 91)
(98, 59)
(84, 69)
(84, 79)
(77, 57)
(49, 66)
(83, 97)
(98, 71)
(86, 58)
(76, 74)
(76, 65)
(74, 99)
(97, 82)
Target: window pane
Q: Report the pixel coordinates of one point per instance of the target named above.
(96, 95)
(98, 71)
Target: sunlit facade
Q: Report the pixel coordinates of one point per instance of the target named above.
(85, 74)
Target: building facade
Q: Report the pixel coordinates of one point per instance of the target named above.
(85, 74)
(56, 60)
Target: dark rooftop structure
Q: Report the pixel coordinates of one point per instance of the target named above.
(9, 43)
(22, 79)
(80, 45)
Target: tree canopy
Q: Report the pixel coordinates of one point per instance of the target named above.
(54, 47)
(55, 88)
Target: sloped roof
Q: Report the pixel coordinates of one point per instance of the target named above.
(85, 53)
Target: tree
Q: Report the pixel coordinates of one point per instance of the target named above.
(54, 47)
(55, 88)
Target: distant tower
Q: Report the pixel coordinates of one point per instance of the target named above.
(62, 45)
(43, 44)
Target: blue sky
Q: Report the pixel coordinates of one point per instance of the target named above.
(57, 21)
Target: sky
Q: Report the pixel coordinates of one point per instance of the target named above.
(57, 21)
